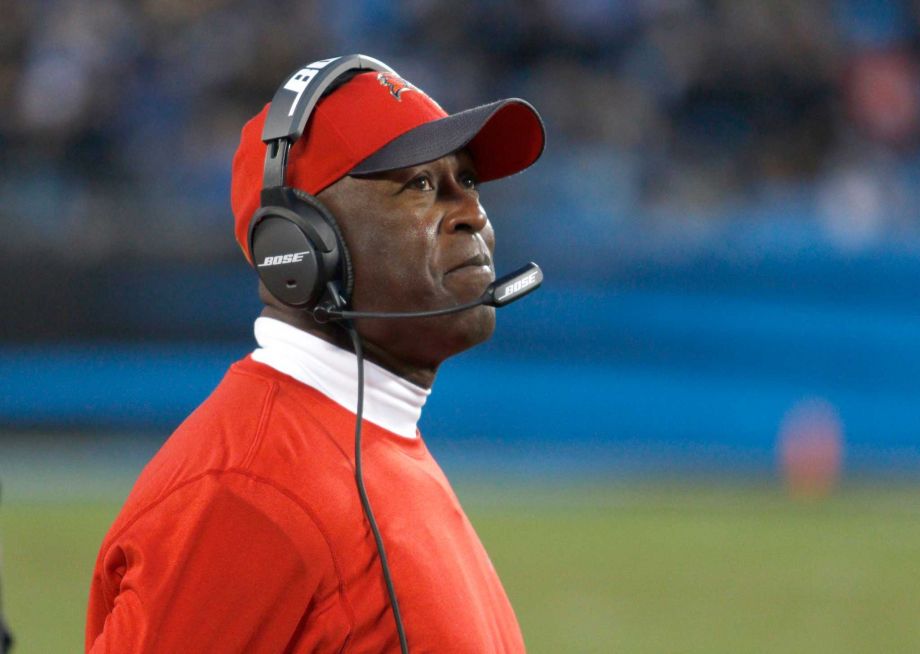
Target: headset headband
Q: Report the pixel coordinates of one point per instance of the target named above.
(287, 116)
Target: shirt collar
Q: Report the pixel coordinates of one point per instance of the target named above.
(390, 401)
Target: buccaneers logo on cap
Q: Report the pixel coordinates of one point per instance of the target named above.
(396, 85)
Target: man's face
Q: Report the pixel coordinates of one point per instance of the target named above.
(419, 239)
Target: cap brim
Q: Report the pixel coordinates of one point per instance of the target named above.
(503, 138)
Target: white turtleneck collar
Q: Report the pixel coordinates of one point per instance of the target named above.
(389, 400)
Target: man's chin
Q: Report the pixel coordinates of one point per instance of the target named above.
(470, 328)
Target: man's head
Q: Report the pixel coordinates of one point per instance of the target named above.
(400, 177)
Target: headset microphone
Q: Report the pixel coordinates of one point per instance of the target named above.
(501, 292)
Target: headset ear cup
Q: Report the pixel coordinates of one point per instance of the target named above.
(285, 257)
(297, 248)
(348, 275)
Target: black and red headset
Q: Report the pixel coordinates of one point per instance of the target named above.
(294, 241)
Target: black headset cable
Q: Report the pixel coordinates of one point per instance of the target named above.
(365, 502)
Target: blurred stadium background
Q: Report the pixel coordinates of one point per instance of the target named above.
(702, 435)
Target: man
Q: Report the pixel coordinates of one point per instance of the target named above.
(246, 532)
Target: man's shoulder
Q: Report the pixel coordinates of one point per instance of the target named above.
(242, 404)
(251, 414)
(217, 433)
(235, 405)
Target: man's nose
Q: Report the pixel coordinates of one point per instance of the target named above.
(465, 213)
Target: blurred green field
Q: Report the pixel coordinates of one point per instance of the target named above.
(669, 567)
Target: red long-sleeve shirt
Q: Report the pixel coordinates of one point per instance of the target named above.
(245, 533)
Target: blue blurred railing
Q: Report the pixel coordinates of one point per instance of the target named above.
(665, 369)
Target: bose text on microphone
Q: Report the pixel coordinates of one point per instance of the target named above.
(513, 286)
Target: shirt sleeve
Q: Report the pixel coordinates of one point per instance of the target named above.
(225, 563)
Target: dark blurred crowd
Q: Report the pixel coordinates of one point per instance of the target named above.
(674, 125)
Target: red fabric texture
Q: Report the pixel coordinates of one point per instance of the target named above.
(245, 533)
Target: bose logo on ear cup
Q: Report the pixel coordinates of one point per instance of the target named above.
(279, 259)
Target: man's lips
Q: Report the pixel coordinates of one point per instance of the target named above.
(476, 261)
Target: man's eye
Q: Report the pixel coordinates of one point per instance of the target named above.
(421, 183)
(469, 181)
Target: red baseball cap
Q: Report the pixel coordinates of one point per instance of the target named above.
(377, 122)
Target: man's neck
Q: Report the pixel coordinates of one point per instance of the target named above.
(390, 402)
(419, 375)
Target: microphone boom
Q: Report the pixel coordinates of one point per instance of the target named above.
(501, 292)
